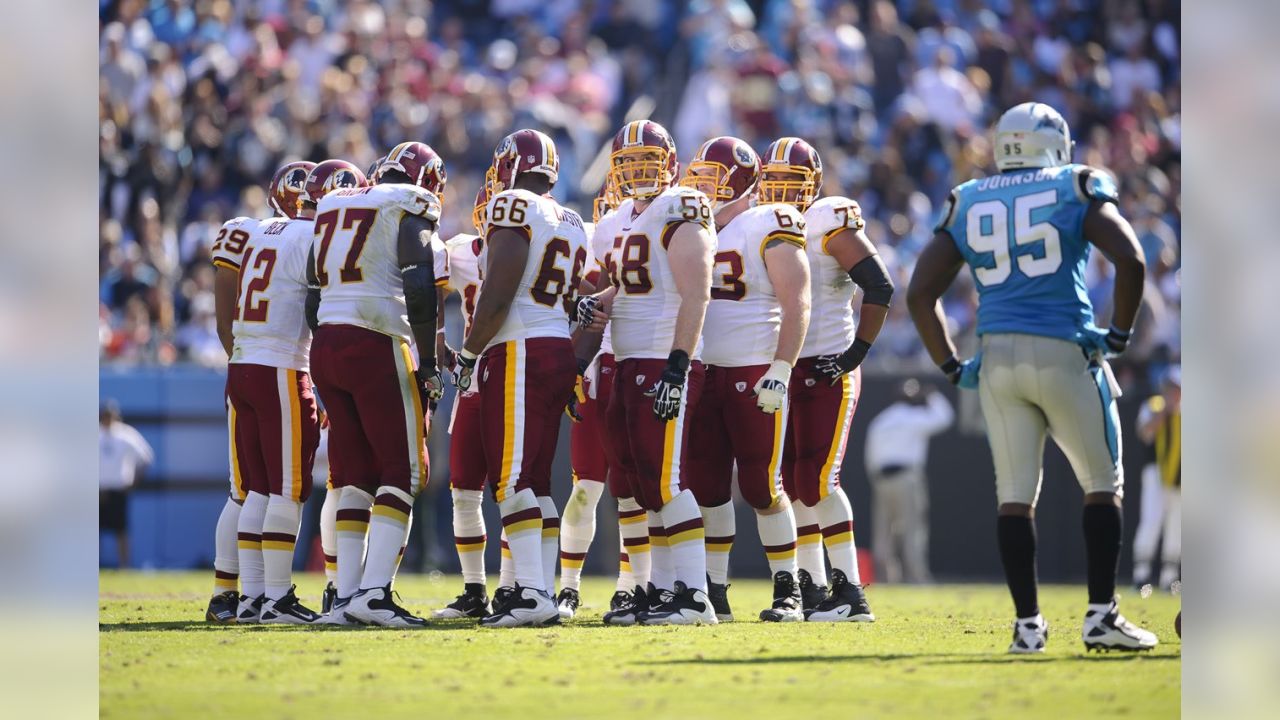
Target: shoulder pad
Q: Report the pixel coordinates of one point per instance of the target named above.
(686, 204)
(417, 201)
(460, 240)
(948, 211)
(1096, 184)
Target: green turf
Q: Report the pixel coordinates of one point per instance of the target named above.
(935, 652)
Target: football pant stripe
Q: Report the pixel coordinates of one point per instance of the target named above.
(233, 455)
(414, 424)
(830, 473)
(513, 419)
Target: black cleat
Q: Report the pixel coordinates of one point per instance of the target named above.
(327, 597)
(719, 595)
(847, 603)
(620, 599)
(287, 611)
(472, 603)
(567, 603)
(787, 604)
(223, 607)
(250, 609)
(502, 597)
(811, 593)
(628, 609)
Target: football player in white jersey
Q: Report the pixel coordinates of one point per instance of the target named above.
(594, 458)
(660, 265)
(228, 254)
(826, 382)
(756, 324)
(466, 454)
(277, 424)
(520, 357)
(375, 293)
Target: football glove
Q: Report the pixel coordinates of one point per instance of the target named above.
(833, 367)
(771, 388)
(588, 306)
(962, 374)
(463, 370)
(430, 384)
(669, 390)
(579, 393)
(1109, 344)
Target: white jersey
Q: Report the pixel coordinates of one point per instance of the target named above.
(543, 303)
(228, 246)
(601, 244)
(270, 325)
(744, 316)
(643, 323)
(358, 258)
(464, 273)
(831, 327)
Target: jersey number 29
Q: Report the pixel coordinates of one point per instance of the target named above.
(987, 231)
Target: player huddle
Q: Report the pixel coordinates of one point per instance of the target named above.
(702, 323)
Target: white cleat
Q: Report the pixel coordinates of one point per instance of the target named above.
(250, 610)
(527, 608)
(337, 615)
(287, 611)
(686, 606)
(376, 606)
(1029, 636)
(1110, 631)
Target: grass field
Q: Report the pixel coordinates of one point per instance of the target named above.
(935, 652)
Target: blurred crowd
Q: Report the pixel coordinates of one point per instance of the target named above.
(200, 101)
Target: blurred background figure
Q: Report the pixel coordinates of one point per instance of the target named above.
(123, 455)
(1160, 428)
(897, 453)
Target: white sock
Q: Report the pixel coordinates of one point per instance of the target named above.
(387, 524)
(329, 533)
(226, 558)
(249, 544)
(468, 534)
(633, 532)
(506, 568)
(836, 518)
(279, 535)
(522, 521)
(720, 526)
(809, 543)
(404, 545)
(550, 541)
(578, 529)
(353, 531)
(778, 535)
(661, 572)
(685, 540)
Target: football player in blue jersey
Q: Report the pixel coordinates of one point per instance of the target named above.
(1025, 234)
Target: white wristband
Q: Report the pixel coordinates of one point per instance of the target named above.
(467, 354)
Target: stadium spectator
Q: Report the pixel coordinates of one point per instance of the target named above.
(123, 455)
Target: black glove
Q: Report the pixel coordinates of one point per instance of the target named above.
(430, 384)
(833, 367)
(1117, 340)
(669, 390)
(463, 370)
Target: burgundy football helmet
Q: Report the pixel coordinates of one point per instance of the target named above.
(417, 160)
(328, 176)
(480, 211)
(792, 173)
(523, 151)
(286, 185)
(643, 162)
(371, 174)
(725, 169)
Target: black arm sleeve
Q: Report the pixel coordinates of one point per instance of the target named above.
(420, 295)
(873, 277)
(312, 308)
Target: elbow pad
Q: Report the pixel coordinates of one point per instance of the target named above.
(312, 308)
(420, 294)
(873, 277)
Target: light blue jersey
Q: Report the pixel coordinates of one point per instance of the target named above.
(1021, 234)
